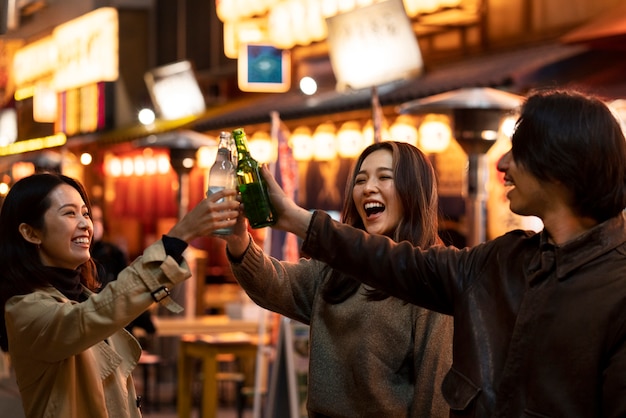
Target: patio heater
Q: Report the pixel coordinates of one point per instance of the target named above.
(476, 115)
(183, 145)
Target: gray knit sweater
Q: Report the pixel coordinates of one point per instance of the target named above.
(367, 358)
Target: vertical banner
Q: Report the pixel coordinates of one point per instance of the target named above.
(297, 351)
(290, 372)
(284, 246)
(291, 365)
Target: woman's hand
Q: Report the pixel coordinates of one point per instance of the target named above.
(207, 216)
(291, 217)
(238, 241)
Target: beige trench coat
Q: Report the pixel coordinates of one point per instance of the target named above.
(74, 360)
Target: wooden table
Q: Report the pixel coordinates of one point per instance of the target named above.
(206, 350)
(208, 324)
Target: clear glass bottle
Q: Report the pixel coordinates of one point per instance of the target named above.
(254, 193)
(222, 174)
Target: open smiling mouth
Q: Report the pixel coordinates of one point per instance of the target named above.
(373, 208)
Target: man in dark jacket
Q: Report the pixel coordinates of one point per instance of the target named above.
(540, 318)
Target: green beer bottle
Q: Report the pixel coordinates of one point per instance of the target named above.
(254, 193)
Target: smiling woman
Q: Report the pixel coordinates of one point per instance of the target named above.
(392, 361)
(375, 195)
(64, 240)
(71, 354)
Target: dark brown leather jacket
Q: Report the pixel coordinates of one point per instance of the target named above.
(540, 331)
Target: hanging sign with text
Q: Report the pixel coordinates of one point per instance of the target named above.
(373, 45)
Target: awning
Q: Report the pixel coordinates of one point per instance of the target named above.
(501, 70)
(599, 72)
(607, 31)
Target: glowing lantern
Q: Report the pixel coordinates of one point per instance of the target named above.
(435, 134)
(302, 144)
(404, 130)
(349, 140)
(261, 147)
(324, 142)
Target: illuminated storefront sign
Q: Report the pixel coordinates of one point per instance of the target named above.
(67, 78)
(34, 62)
(79, 52)
(175, 91)
(287, 23)
(85, 109)
(20, 147)
(87, 50)
(263, 68)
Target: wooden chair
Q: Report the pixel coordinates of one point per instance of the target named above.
(258, 391)
(149, 365)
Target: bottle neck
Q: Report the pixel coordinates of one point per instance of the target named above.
(242, 147)
(223, 145)
(223, 154)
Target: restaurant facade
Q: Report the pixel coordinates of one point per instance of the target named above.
(74, 76)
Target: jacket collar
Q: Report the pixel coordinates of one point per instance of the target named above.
(599, 240)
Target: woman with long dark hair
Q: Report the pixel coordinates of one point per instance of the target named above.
(371, 355)
(72, 356)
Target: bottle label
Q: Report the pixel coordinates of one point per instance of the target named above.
(212, 190)
(215, 189)
(256, 205)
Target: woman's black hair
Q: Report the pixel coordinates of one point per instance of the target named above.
(416, 185)
(22, 269)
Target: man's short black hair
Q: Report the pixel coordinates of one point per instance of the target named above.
(575, 139)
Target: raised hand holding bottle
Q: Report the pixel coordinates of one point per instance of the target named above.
(254, 194)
